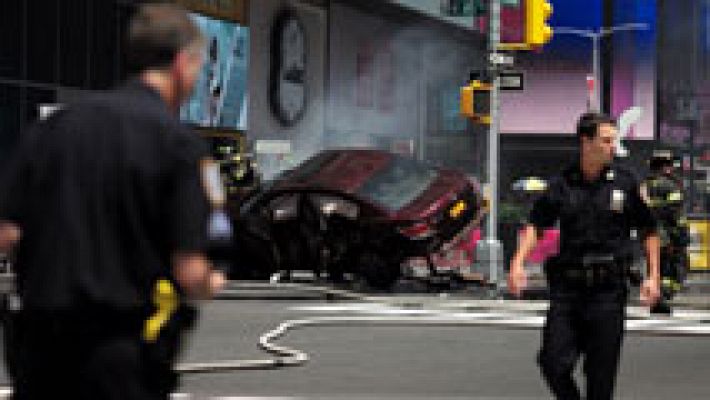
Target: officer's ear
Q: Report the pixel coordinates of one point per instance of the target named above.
(186, 67)
(184, 63)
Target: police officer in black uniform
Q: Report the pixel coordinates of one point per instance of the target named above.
(665, 193)
(597, 204)
(103, 201)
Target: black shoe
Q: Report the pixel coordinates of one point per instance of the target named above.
(661, 308)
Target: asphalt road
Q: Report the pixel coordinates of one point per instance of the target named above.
(435, 362)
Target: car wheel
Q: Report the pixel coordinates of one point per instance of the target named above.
(336, 270)
(254, 259)
(377, 272)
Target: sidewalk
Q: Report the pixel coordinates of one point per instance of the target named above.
(695, 292)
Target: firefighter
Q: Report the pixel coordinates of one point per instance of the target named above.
(665, 194)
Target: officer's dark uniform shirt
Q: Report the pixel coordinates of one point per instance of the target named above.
(105, 192)
(594, 217)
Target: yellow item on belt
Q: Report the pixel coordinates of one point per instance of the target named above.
(165, 299)
(671, 284)
(674, 197)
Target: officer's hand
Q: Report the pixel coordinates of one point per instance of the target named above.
(650, 291)
(9, 236)
(217, 281)
(517, 278)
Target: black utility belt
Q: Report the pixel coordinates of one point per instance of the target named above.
(589, 270)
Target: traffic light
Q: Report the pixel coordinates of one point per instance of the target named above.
(476, 102)
(537, 13)
(463, 8)
(528, 24)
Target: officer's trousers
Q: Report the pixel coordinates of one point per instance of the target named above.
(588, 322)
(55, 355)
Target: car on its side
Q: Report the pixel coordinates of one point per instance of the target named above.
(359, 211)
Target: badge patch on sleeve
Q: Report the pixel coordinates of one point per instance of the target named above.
(617, 200)
(212, 182)
(643, 192)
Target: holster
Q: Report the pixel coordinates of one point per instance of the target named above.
(160, 355)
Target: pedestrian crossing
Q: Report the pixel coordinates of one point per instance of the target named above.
(6, 393)
(639, 321)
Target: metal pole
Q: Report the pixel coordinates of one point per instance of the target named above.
(596, 36)
(595, 71)
(493, 244)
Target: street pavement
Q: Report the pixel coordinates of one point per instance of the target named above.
(439, 346)
(360, 358)
(447, 346)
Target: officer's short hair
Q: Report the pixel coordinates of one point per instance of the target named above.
(157, 32)
(588, 124)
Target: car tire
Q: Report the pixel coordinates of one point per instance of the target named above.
(377, 272)
(254, 260)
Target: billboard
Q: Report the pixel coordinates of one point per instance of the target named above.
(556, 90)
(220, 97)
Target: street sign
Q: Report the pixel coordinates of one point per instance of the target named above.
(45, 110)
(273, 146)
(511, 80)
(501, 59)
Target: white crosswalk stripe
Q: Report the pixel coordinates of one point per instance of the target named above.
(683, 322)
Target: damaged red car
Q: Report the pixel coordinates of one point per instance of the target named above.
(356, 211)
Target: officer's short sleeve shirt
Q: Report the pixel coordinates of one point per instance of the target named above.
(593, 216)
(105, 191)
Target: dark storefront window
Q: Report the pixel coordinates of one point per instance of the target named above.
(684, 93)
(53, 46)
(10, 119)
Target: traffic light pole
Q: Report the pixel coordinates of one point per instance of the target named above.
(491, 248)
(596, 36)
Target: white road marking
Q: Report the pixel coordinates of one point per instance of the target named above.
(6, 392)
(682, 322)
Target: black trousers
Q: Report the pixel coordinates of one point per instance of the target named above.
(583, 322)
(81, 357)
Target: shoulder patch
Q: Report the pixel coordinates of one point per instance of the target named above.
(675, 197)
(212, 182)
(643, 192)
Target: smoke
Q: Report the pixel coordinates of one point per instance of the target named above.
(392, 83)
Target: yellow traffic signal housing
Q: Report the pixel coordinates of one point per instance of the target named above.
(536, 32)
(476, 102)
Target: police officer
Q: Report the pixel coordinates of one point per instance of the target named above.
(665, 192)
(597, 204)
(106, 208)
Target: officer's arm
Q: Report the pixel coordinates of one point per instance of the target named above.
(644, 220)
(9, 236)
(194, 274)
(652, 245)
(544, 213)
(526, 245)
(517, 281)
(188, 211)
(650, 288)
(14, 183)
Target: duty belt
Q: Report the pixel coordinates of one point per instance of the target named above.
(590, 270)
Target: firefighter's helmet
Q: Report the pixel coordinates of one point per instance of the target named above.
(662, 158)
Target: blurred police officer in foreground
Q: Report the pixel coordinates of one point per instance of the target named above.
(597, 204)
(665, 192)
(106, 208)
